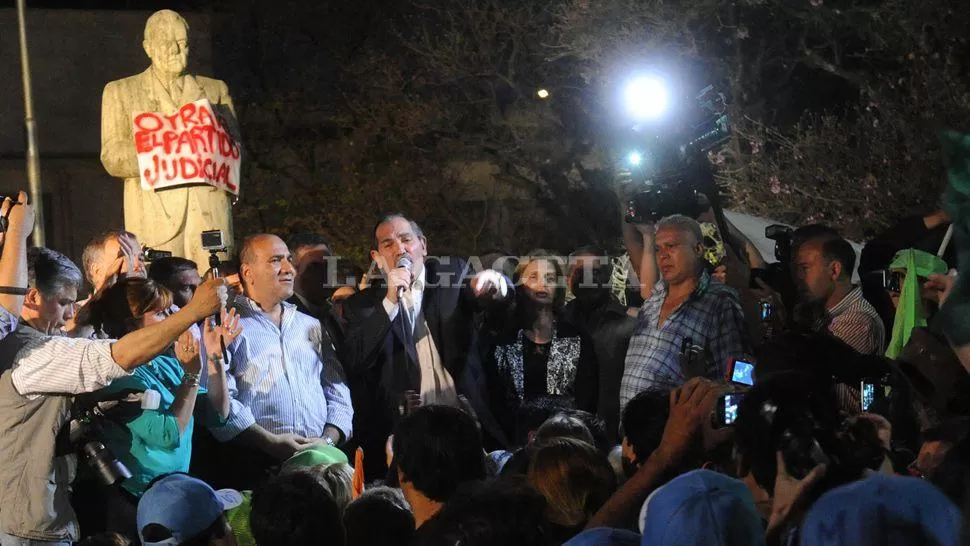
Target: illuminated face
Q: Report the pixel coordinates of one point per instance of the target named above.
(270, 273)
(54, 311)
(183, 285)
(153, 317)
(539, 281)
(815, 277)
(169, 47)
(678, 255)
(396, 238)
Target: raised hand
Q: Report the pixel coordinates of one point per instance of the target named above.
(187, 352)
(228, 331)
(20, 216)
(691, 407)
(207, 300)
(133, 266)
(790, 494)
(490, 283)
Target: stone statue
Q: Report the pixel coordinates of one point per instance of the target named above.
(171, 218)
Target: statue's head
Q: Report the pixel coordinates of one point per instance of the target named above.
(167, 41)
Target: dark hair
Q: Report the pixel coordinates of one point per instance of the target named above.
(563, 426)
(644, 420)
(48, 271)
(386, 506)
(811, 232)
(294, 508)
(841, 251)
(497, 512)
(596, 426)
(106, 539)
(391, 216)
(518, 463)
(300, 240)
(575, 479)
(437, 448)
(163, 269)
(589, 250)
(94, 248)
(535, 411)
(119, 308)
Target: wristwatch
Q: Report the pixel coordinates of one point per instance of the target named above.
(329, 441)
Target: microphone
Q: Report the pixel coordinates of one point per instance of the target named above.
(406, 263)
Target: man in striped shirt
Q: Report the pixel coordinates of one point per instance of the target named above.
(287, 386)
(823, 270)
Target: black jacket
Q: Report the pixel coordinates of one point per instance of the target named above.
(380, 368)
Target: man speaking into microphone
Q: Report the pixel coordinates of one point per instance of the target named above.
(414, 332)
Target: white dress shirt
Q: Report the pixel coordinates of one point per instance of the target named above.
(60, 365)
(281, 378)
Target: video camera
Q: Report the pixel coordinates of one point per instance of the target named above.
(150, 254)
(674, 169)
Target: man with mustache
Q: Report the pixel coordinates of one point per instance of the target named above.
(287, 386)
(685, 304)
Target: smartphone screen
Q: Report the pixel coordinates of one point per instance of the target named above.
(868, 395)
(743, 373)
(731, 402)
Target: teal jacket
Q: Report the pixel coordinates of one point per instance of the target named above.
(148, 441)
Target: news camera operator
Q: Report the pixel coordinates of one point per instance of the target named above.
(37, 395)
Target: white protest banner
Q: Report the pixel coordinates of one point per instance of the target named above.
(188, 147)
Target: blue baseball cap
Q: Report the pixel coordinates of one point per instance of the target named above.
(184, 505)
(604, 536)
(702, 507)
(882, 509)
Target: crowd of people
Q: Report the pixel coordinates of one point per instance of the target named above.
(529, 400)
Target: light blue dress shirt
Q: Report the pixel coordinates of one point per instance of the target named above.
(283, 378)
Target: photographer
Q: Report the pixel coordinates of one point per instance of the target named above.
(36, 398)
(689, 326)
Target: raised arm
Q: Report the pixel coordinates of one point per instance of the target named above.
(142, 345)
(13, 262)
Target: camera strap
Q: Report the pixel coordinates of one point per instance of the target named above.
(13, 290)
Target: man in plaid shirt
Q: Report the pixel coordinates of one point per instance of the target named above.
(684, 303)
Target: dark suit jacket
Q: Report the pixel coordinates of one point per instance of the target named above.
(380, 367)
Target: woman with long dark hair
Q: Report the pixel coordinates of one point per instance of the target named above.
(536, 354)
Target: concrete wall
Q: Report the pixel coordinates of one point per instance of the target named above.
(73, 54)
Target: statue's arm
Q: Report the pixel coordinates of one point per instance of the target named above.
(117, 143)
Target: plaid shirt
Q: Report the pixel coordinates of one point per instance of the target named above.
(711, 316)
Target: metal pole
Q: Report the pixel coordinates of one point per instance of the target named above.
(33, 159)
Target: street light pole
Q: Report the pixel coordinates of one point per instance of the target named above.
(33, 158)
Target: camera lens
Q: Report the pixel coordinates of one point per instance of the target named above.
(107, 467)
